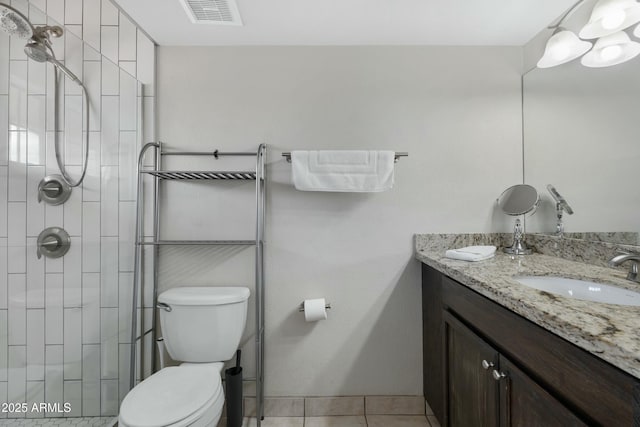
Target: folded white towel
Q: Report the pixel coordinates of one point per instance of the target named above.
(346, 171)
(472, 253)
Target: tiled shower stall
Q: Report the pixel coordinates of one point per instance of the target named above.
(64, 323)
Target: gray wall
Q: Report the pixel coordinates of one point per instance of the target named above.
(456, 110)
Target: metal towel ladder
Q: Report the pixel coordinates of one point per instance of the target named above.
(160, 175)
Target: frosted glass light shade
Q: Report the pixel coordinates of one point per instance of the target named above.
(609, 17)
(610, 50)
(562, 47)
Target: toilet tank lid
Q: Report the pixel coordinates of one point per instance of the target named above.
(204, 295)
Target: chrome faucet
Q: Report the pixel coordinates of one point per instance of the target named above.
(633, 271)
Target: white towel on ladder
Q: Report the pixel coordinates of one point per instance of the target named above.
(343, 170)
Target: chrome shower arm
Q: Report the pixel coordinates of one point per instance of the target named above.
(43, 31)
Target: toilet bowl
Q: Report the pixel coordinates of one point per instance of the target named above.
(177, 396)
(202, 327)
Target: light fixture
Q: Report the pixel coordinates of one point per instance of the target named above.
(611, 50)
(609, 17)
(562, 47)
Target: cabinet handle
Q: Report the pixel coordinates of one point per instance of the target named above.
(487, 365)
(498, 375)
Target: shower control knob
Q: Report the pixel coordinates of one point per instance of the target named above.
(53, 242)
(487, 365)
(53, 190)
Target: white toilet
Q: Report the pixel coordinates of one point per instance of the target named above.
(202, 328)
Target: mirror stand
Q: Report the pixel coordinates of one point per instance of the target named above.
(519, 247)
(518, 200)
(559, 223)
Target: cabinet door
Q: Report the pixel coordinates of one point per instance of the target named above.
(472, 393)
(600, 393)
(432, 340)
(524, 403)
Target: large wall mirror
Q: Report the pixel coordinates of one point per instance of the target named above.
(582, 135)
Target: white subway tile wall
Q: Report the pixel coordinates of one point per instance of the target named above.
(35, 395)
(64, 323)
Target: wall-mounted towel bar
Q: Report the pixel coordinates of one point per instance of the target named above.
(287, 155)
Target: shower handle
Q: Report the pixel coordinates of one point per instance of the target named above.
(53, 242)
(53, 190)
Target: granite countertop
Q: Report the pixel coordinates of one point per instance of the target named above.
(611, 332)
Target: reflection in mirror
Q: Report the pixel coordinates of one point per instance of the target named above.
(518, 200)
(581, 132)
(561, 207)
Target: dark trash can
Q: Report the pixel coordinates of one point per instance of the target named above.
(233, 393)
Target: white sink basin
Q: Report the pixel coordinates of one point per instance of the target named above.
(581, 289)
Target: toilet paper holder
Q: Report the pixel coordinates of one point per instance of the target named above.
(301, 306)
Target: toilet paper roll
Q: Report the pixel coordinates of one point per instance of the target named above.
(315, 309)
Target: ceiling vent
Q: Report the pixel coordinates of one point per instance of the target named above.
(220, 12)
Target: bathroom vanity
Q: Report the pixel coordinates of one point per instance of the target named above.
(497, 353)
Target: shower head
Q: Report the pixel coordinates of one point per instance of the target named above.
(14, 22)
(38, 48)
(41, 52)
(37, 51)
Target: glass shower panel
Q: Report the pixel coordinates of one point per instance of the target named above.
(65, 322)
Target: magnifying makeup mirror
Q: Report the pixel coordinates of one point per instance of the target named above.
(518, 200)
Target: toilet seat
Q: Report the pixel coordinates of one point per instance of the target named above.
(175, 396)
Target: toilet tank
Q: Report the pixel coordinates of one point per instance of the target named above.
(203, 324)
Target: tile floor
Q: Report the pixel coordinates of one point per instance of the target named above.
(343, 421)
(346, 411)
(60, 422)
(333, 421)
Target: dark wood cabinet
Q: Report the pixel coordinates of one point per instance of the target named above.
(433, 328)
(547, 381)
(472, 393)
(485, 389)
(523, 402)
